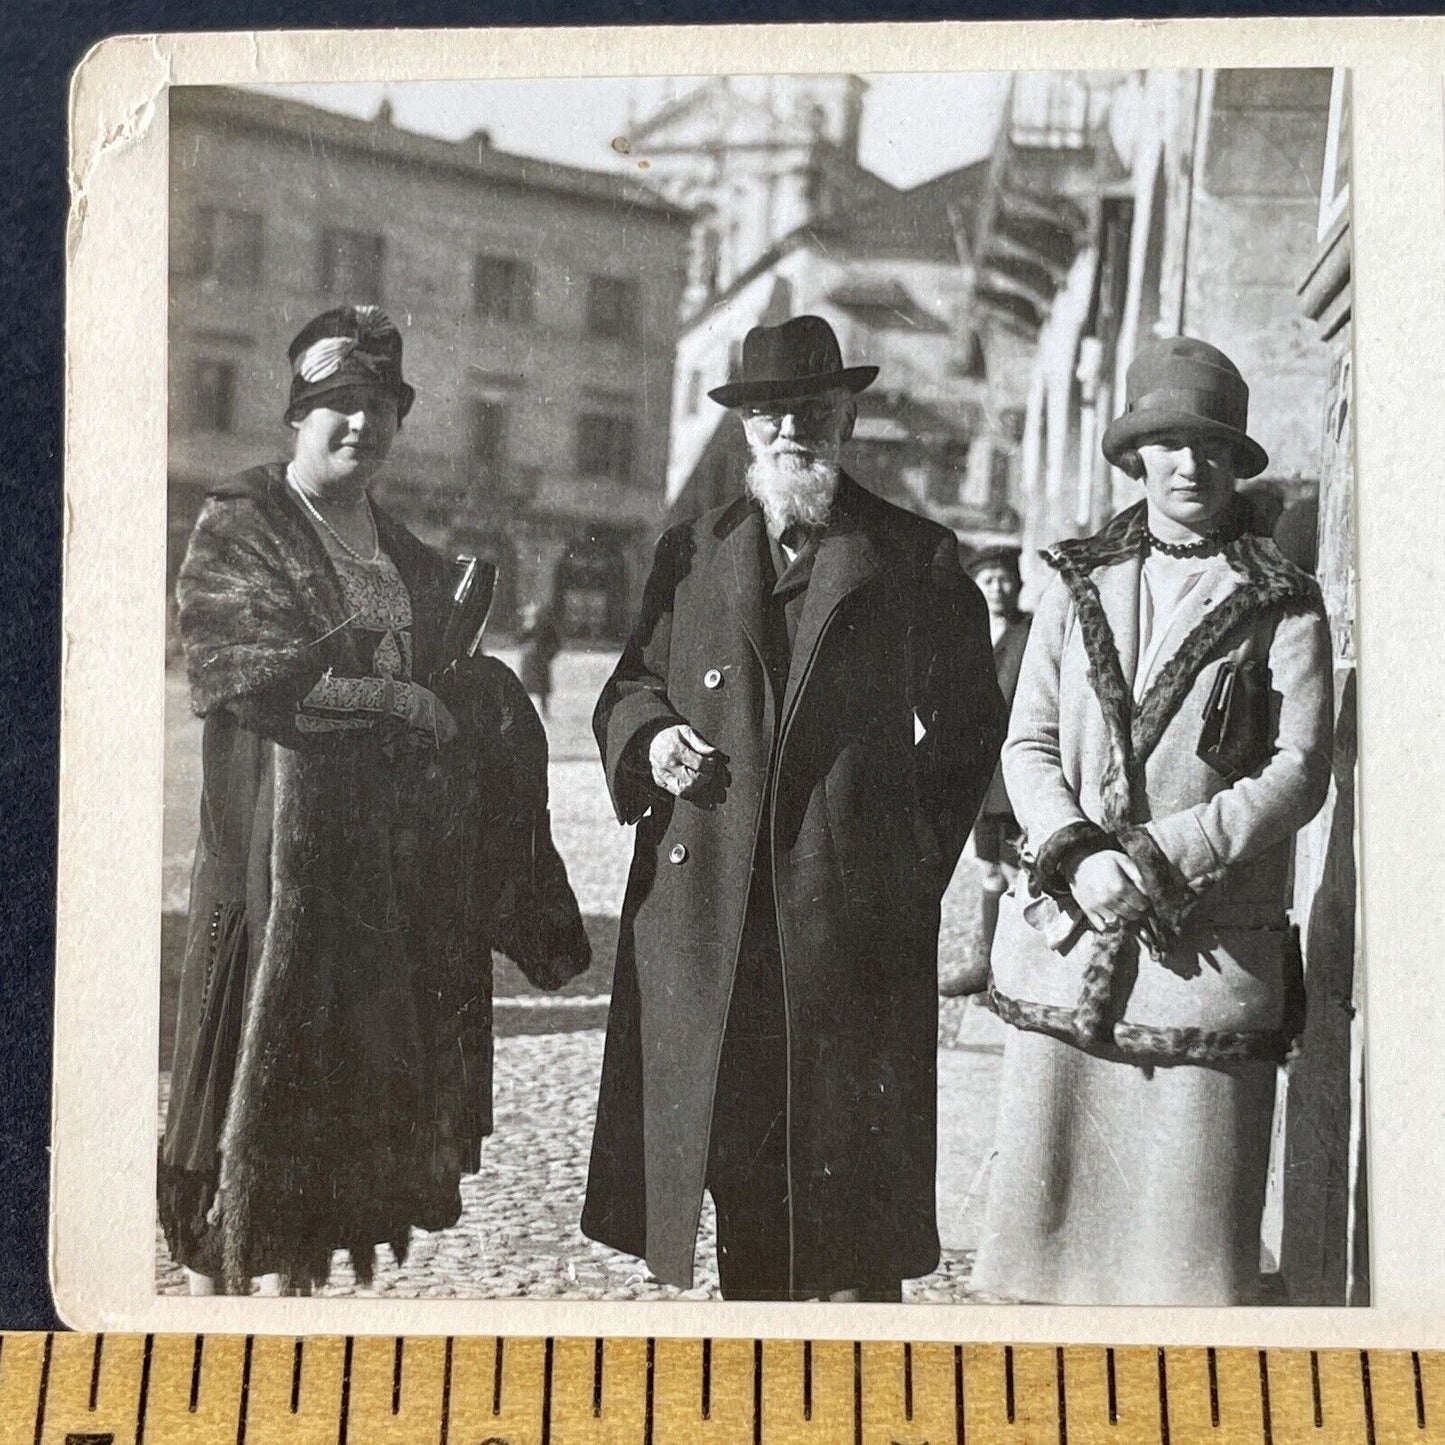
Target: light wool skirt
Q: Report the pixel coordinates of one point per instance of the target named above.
(1114, 1184)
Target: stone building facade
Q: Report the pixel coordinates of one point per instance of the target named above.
(790, 222)
(539, 307)
(1125, 207)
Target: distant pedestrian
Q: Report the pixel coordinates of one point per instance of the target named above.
(363, 845)
(801, 725)
(996, 834)
(1170, 735)
(541, 641)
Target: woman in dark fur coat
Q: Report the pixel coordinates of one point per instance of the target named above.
(363, 845)
(1170, 734)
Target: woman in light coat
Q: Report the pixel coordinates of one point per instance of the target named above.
(1170, 735)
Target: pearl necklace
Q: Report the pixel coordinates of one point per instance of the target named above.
(335, 535)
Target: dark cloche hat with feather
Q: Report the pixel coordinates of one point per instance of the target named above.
(345, 347)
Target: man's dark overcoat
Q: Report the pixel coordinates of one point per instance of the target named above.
(860, 782)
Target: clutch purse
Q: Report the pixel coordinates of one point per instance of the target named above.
(1235, 738)
(472, 588)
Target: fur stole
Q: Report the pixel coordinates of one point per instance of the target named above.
(1268, 582)
(260, 606)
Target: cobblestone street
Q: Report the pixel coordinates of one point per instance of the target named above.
(519, 1231)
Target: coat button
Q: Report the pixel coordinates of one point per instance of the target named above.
(679, 853)
(712, 678)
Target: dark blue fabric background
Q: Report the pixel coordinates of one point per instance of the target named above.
(39, 45)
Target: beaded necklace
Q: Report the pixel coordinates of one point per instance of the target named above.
(1216, 541)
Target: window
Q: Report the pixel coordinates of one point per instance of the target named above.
(613, 306)
(948, 481)
(226, 245)
(351, 265)
(487, 437)
(502, 288)
(694, 392)
(604, 446)
(709, 259)
(213, 395)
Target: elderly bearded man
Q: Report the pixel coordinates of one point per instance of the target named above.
(802, 725)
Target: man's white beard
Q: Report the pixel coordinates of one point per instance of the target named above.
(792, 488)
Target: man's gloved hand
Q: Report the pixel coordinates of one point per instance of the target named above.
(683, 762)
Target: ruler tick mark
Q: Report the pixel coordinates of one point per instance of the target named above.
(1008, 1382)
(1319, 1403)
(396, 1355)
(757, 1392)
(345, 1424)
(547, 1352)
(1369, 1396)
(1419, 1390)
(1163, 1400)
(446, 1392)
(959, 1428)
(857, 1393)
(296, 1376)
(1265, 1420)
(807, 1379)
(497, 1375)
(197, 1353)
(95, 1372)
(245, 1408)
(1112, 1384)
(1063, 1402)
(597, 1353)
(44, 1388)
(647, 1406)
(1213, 1387)
(907, 1381)
(145, 1389)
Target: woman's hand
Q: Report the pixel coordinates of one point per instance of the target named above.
(1109, 888)
(430, 716)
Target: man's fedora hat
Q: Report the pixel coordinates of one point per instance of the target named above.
(1185, 387)
(785, 363)
(345, 347)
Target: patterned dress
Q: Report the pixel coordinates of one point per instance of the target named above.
(379, 607)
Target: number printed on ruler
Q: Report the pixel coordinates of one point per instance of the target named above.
(70, 1389)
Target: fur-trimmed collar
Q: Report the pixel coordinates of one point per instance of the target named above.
(1266, 578)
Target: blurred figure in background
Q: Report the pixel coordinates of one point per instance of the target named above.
(541, 641)
(997, 834)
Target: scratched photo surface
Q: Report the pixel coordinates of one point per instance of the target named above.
(725, 962)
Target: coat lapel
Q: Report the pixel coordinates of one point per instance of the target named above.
(739, 574)
(846, 558)
(1118, 588)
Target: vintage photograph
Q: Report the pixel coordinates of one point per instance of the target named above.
(760, 691)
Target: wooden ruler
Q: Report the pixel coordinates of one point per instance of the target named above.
(69, 1389)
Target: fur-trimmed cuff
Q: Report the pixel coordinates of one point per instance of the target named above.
(1062, 849)
(1170, 895)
